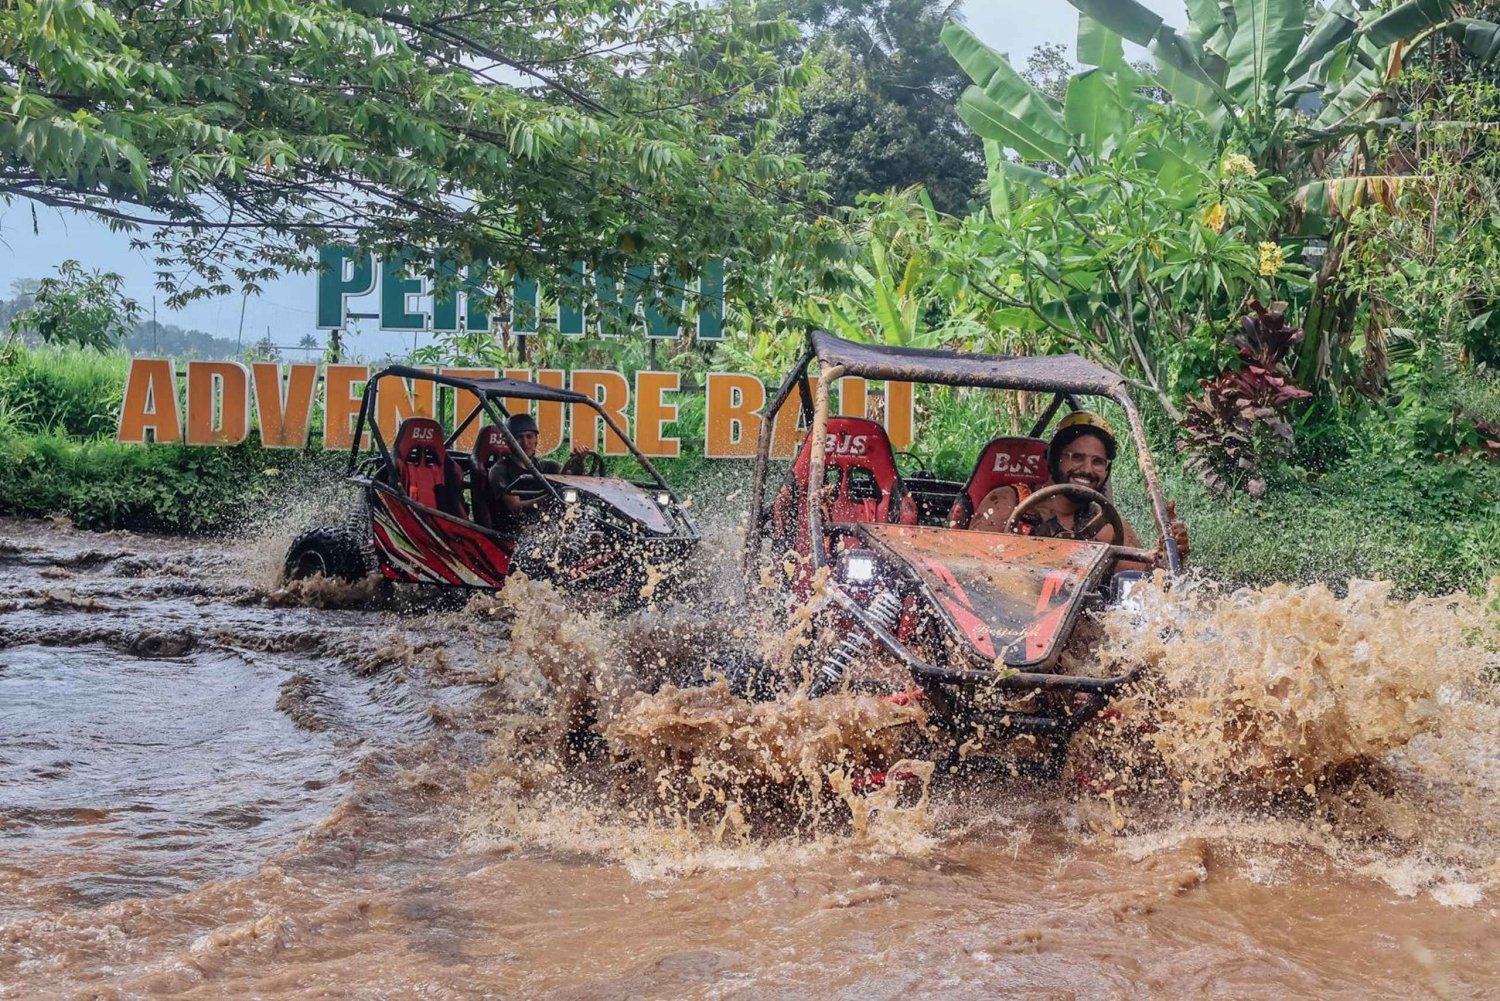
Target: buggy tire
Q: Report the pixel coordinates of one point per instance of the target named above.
(335, 553)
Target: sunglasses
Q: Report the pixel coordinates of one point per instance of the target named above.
(1085, 460)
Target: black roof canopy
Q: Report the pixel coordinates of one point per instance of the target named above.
(1045, 373)
(520, 389)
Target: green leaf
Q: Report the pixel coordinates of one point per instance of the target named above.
(1266, 36)
(1092, 110)
(1480, 39)
(991, 121)
(1332, 30)
(1204, 19)
(1097, 45)
(1126, 18)
(1349, 99)
(999, 187)
(1184, 89)
(1406, 20)
(1019, 173)
(1002, 95)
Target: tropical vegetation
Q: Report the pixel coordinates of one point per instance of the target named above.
(1281, 227)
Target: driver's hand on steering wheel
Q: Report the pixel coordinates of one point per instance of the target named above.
(579, 451)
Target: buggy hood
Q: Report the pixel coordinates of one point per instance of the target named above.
(1012, 598)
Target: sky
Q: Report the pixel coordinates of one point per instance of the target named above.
(284, 311)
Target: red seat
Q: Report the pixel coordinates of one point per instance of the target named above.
(489, 449)
(426, 474)
(1004, 462)
(860, 466)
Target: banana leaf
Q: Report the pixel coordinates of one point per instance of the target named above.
(1018, 173)
(1342, 195)
(1204, 19)
(1124, 17)
(1266, 36)
(1183, 88)
(1092, 111)
(1349, 98)
(1480, 39)
(1407, 20)
(1333, 29)
(1098, 46)
(1002, 105)
(991, 121)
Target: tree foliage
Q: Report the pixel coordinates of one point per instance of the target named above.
(87, 309)
(883, 117)
(233, 135)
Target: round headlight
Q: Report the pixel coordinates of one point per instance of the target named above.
(570, 496)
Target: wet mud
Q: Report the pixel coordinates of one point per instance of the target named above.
(213, 786)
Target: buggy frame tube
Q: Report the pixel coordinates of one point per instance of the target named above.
(763, 459)
(1057, 401)
(630, 444)
(501, 419)
(819, 432)
(1153, 482)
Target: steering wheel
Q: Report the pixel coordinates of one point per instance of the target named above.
(593, 464)
(1107, 514)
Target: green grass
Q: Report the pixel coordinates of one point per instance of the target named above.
(51, 390)
(1431, 527)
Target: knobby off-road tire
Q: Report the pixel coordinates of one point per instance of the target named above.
(336, 553)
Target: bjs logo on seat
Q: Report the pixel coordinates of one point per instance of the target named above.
(1028, 465)
(846, 444)
(424, 433)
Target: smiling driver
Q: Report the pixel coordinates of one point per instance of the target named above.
(1081, 453)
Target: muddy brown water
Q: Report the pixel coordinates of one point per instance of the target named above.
(210, 788)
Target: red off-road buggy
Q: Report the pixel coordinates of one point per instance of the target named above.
(910, 601)
(424, 515)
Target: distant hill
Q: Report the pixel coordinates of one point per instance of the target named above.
(170, 340)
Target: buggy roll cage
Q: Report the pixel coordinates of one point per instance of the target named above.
(490, 393)
(1065, 376)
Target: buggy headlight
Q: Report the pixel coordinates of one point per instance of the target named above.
(570, 496)
(663, 498)
(859, 567)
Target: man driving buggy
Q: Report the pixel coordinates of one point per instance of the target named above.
(510, 473)
(1081, 453)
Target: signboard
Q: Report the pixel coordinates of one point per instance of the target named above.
(408, 304)
(225, 400)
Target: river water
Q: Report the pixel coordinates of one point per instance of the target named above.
(210, 788)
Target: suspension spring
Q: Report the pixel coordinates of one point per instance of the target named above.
(885, 609)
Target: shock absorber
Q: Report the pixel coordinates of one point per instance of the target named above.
(885, 609)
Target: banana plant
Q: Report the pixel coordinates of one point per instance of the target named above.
(1237, 60)
(896, 296)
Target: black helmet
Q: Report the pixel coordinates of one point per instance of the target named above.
(1070, 429)
(520, 424)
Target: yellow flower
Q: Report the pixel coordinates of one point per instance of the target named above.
(1271, 258)
(1237, 163)
(1215, 217)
